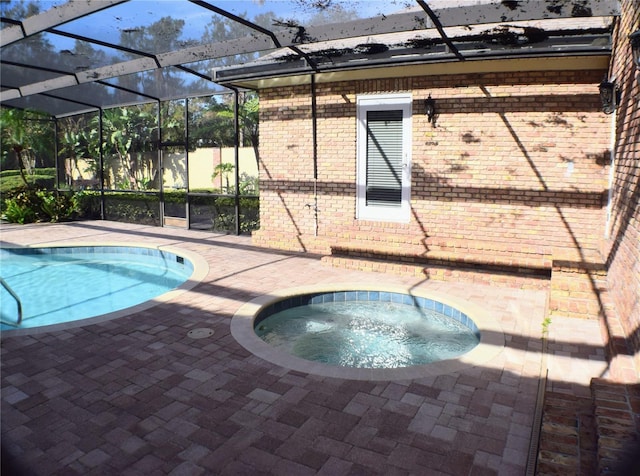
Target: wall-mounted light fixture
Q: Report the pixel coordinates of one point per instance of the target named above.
(634, 39)
(430, 110)
(608, 96)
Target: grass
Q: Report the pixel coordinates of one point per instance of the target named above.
(10, 179)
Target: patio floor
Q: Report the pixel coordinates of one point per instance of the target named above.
(137, 396)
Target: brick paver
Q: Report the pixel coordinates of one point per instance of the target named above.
(137, 395)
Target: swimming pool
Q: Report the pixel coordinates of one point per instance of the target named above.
(70, 284)
(246, 327)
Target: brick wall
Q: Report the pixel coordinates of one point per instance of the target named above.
(286, 168)
(623, 247)
(517, 161)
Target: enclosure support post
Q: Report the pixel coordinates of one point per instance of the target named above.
(102, 213)
(186, 160)
(236, 155)
(160, 165)
(56, 154)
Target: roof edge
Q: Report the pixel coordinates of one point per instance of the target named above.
(444, 68)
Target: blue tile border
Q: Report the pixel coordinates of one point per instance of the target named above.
(367, 296)
(171, 260)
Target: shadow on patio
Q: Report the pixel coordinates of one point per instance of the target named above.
(136, 395)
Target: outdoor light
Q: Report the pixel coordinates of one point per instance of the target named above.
(608, 95)
(430, 110)
(634, 39)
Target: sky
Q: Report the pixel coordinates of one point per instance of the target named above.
(290, 8)
(136, 12)
(108, 24)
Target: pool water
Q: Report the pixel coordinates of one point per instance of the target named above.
(363, 334)
(58, 285)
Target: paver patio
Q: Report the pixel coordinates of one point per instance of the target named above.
(136, 395)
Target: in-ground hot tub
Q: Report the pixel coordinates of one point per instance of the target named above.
(367, 332)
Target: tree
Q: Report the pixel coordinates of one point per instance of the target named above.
(79, 141)
(159, 37)
(210, 122)
(224, 169)
(128, 133)
(320, 12)
(23, 133)
(248, 106)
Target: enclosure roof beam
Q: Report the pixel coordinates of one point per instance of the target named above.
(50, 85)
(65, 79)
(127, 90)
(286, 36)
(459, 16)
(74, 101)
(101, 43)
(298, 38)
(439, 27)
(523, 10)
(8, 93)
(249, 44)
(237, 19)
(207, 51)
(54, 16)
(119, 69)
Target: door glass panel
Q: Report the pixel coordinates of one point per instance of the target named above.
(384, 158)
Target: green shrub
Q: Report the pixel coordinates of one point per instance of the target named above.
(16, 212)
(87, 204)
(141, 208)
(175, 196)
(56, 206)
(220, 210)
(30, 204)
(24, 204)
(17, 201)
(249, 214)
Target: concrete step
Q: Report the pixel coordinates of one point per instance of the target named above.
(439, 272)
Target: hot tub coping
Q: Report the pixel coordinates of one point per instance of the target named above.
(492, 340)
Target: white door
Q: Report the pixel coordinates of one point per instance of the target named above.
(384, 157)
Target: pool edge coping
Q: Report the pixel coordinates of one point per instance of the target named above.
(492, 339)
(200, 271)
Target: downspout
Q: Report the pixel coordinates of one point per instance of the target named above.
(612, 171)
(612, 145)
(314, 129)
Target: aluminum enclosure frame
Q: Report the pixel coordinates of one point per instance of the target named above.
(61, 88)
